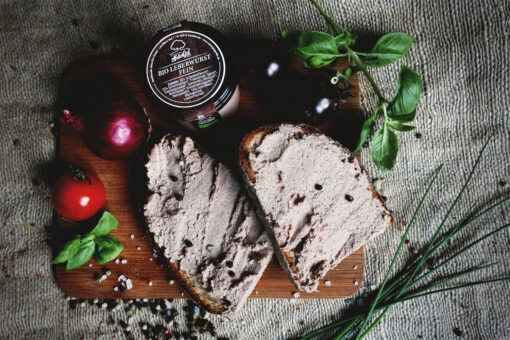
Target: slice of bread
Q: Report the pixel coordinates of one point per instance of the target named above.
(204, 224)
(317, 202)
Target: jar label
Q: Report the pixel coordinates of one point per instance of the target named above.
(185, 69)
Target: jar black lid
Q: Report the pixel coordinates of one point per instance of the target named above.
(225, 89)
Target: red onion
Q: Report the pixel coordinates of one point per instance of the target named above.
(111, 122)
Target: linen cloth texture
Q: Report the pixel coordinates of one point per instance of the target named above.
(461, 52)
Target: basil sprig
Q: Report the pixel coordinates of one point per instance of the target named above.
(320, 49)
(78, 251)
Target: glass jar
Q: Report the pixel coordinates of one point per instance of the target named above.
(191, 72)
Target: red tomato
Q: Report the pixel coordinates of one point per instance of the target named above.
(78, 195)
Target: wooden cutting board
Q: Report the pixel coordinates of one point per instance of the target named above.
(141, 266)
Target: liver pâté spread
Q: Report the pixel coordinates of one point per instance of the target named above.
(190, 71)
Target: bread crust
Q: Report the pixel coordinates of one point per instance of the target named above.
(248, 144)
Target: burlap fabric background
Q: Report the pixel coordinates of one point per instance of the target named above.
(461, 52)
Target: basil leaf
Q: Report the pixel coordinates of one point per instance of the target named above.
(389, 47)
(403, 104)
(365, 131)
(384, 148)
(402, 118)
(400, 127)
(86, 238)
(68, 250)
(345, 39)
(316, 49)
(107, 223)
(108, 248)
(81, 257)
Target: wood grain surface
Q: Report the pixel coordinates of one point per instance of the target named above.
(222, 142)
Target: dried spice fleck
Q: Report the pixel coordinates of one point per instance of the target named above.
(457, 331)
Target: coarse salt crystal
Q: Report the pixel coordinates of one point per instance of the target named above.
(168, 304)
(373, 287)
(296, 295)
(150, 283)
(132, 236)
(121, 278)
(256, 292)
(104, 305)
(196, 310)
(131, 320)
(182, 293)
(129, 284)
(327, 283)
(355, 267)
(243, 322)
(150, 259)
(90, 264)
(116, 289)
(124, 261)
(103, 277)
(356, 283)
(181, 163)
(138, 248)
(171, 282)
(117, 261)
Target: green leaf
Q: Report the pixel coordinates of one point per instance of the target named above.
(81, 257)
(316, 49)
(365, 131)
(403, 104)
(389, 48)
(107, 223)
(406, 118)
(108, 248)
(384, 149)
(86, 238)
(345, 39)
(68, 250)
(400, 127)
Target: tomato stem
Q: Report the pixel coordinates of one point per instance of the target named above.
(79, 175)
